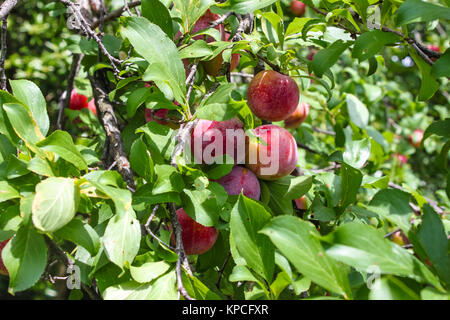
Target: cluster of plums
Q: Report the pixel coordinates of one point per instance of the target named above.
(271, 96)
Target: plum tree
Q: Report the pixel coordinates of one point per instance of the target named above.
(3, 269)
(239, 180)
(212, 139)
(415, 139)
(298, 8)
(298, 117)
(272, 96)
(197, 239)
(275, 155)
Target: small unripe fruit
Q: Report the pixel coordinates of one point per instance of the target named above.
(298, 8)
(197, 239)
(298, 117)
(272, 96)
(241, 179)
(78, 101)
(416, 138)
(274, 157)
(3, 269)
(212, 139)
(212, 67)
(301, 203)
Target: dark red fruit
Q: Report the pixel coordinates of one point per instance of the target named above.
(241, 179)
(272, 96)
(197, 239)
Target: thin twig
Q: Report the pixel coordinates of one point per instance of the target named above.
(305, 147)
(85, 27)
(116, 13)
(220, 20)
(62, 256)
(182, 258)
(222, 269)
(3, 56)
(147, 229)
(76, 63)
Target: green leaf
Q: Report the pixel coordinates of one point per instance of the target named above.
(297, 240)
(16, 167)
(286, 189)
(166, 68)
(191, 11)
(30, 94)
(393, 205)
(160, 141)
(326, 58)
(141, 161)
(122, 238)
(55, 203)
(156, 12)
(420, 11)
(82, 234)
(429, 84)
(24, 124)
(357, 153)
(245, 6)
(216, 106)
(391, 288)
(25, 257)
(361, 246)
(370, 43)
(197, 290)
(61, 143)
(41, 167)
(433, 238)
(357, 111)
(198, 49)
(202, 206)
(247, 218)
(7, 192)
(149, 271)
(136, 99)
(441, 68)
(163, 288)
(440, 128)
(351, 180)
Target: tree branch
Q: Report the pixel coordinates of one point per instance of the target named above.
(182, 258)
(116, 13)
(85, 27)
(3, 55)
(62, 256)
(6, 7)
(111, 126)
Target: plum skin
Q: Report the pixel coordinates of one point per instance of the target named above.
(298, 8)
(298, 117)
(197, 239)
(241, 179)
(78, 101)
(272, 96)
(3, 269)
(207, 131)
(279, 143)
